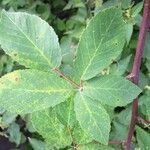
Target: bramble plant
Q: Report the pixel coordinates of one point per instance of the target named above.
(70, 110)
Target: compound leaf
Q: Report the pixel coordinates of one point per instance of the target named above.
(111, 90)
(100, 43)
(29, 40)
(92, 118)
(25, 91)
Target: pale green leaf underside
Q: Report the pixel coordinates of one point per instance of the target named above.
(29, 40)
(93, 118)
(46, 124)
(111, 90)
(26, 91)
(100, 43)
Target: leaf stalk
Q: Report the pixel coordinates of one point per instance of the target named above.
(56, 70)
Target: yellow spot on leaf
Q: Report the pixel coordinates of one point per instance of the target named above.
(14, 77)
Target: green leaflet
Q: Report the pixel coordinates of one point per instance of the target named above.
(37, 144)
(145, 104)
(137, 9)
(100, 43)
(129, 31)
(118, 131)
(46, 124)
(79, 136)
(111, 90)
(66, 115)
(93, 146)
(126, 3)
(120, 67)
(65, 112)
(92, 117)
(29, 40)
(126, 115)
(14, 133)
(26, 91)
(143, 138)
(147, 47)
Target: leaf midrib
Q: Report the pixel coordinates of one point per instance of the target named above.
(39, 91)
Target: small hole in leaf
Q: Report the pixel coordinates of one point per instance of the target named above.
(118, 109)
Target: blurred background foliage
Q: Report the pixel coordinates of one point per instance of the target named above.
(69, 18)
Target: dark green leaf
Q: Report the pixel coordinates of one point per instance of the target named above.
(100, 43)
(120, 67)
(143, 138)
(93, 118)
(145, 104)
(29, 40)
(111, 90)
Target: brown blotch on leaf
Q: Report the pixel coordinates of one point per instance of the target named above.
(16, 79)
(15, 54)
(61, 76)
(81, 89)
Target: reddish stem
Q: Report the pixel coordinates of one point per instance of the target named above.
(134, 75)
